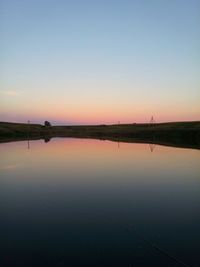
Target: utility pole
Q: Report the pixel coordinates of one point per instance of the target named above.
(28, 146)
(152, 121)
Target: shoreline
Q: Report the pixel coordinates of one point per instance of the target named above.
(176, 134)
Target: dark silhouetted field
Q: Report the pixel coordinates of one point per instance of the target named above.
(180, 134)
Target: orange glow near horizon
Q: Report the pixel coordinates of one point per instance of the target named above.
(82, 111)
(106, 118)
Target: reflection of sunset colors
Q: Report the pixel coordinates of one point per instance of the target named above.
(96, 62)
(97, 158)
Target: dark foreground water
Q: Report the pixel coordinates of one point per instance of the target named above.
(78, 202)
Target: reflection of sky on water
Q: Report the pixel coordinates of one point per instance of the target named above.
(9, 167)
(81, 194)
(97, 158)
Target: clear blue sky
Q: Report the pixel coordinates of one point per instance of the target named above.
(99, 61)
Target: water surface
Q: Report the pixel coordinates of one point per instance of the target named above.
(81, 202)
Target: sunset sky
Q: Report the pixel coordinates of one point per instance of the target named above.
(99, 61)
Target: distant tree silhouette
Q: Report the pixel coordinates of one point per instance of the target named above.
(47, 124)
(47, 139)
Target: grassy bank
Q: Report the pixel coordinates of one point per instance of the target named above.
(181, 134)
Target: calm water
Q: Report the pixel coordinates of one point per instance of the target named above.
(78, 202)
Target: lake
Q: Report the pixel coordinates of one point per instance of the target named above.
(83, 202)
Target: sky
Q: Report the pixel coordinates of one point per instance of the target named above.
(96, 62)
